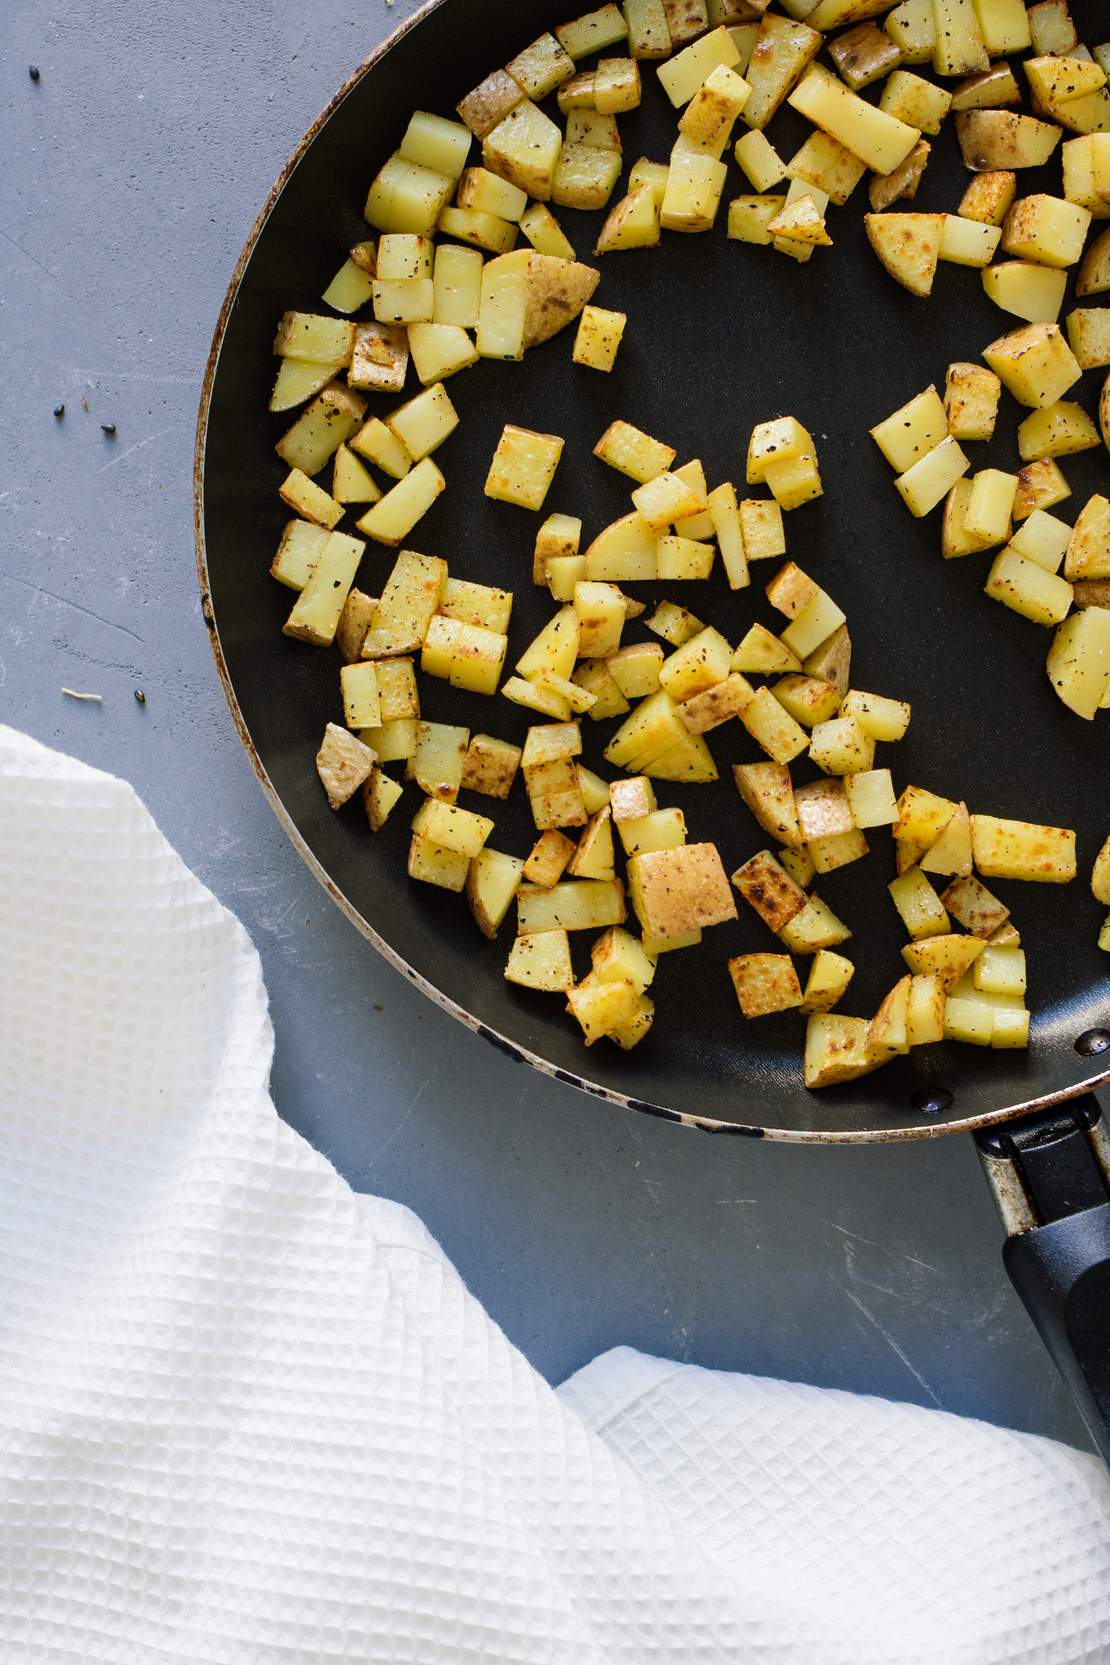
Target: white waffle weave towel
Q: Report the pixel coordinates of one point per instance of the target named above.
(250, 1418)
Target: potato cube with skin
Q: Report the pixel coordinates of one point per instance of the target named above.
(354, 623)
(971, 398)
(886, 188)
(1000, 140)
(343, 763)
(1023, 850)
(600, 334)
(768, 888)
(592, 32)
(765, 983)
(716, 705)
(380, 797)
(791, 590)
(541, 961)
(523, 467)
(780, 54)
(674, 891)
(490, 766)
(815, 928)
(916, 429)
(865, 54)
(944, 957)
(1035, 363)
(548, 861)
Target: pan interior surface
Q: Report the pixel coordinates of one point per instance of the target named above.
(720, 336)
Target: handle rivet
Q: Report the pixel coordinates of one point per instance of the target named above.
(1092, 1042)
(932, 1102)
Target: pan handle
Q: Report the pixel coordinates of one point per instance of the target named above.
(1050, 1174)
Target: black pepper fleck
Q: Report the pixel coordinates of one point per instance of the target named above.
(59, 411)
(140, 697)
(108, 428)
(33, 72)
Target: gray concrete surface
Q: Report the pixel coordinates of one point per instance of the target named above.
(133, 170)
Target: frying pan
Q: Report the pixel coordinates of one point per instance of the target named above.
(720, 336)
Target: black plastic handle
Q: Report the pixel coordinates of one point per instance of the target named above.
(1051, 1176)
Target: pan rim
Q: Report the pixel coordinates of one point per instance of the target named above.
(504, 1043)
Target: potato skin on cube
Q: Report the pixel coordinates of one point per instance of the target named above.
(674, 891)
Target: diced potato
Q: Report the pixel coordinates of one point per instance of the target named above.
(908, 246)
(593, 678)
(959, 47)
(1052, 28)
(1000, 971)
(919, 907)
(585, 176)
(599, 338)
(392, 519)
(361, 701)
(912, 27)
(315, 338)
(394, 742)
(593, 855)
(879, 140)
(403, 300)
(988, 197)
(988, 90)
(878, 716)
(1001, 140)
(436, 764)
(541, 961)
(1088, 551)
(545, 234)
(749, 217)
(841, 747)
(635, 670)
(971, 401)
(972, 905)
(524, 148)
(555, 649)
(490, 102)
(617, 86)
(424, 422)
(780, 736)
(683, 74)
(783, 49)
(768, 888)
(549, 741)
(523, 467)
(767, 790)
(1047, 229)
(354, 623)
(555, 794)
(1041, 485)
(916, 429)
(968, 242)
(828, 165)
(479, 229)
(380, 797)
(871, 799)
(762, 528)
(1028, 290)
(951, 852)
(1079, 661)
(695, 185)
(759, 160)
(592, 32)
(808, 699)
(945, 957)
(674, 624)
(913, 100)
(321, 428)
(433, 865)
(548, 861)
(990, 504)
(1057, 431)
(557, 539)
(536, 697)
(708, 118)
(298, 379)
(791, 590)
(831, 661)
(1023, 850)
(889, 1031)
(492, 882)
(648, 34)
(477, 604)
(632, 452)
(828, 980)
(929, 481)
(309, 500)
(343, 763)
(490, 766)
(1089, 336)
(863, 55)
(632, 224)
(380, 360)
(765, 983)
(1042, 538)
(838, 1049)
(408, 603)
(451, 827)
(317, 610)
(602, 1007)
(1035, 363)
(541, 67)
(679, 890)
(761, 652)
(814, 929)
(800, 222)
(956, 538)
(571, 905)
(352, 481)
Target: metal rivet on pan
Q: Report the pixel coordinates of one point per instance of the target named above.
(1092, 1042)
(933, 1102)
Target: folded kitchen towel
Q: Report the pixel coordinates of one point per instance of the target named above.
(247, 1416)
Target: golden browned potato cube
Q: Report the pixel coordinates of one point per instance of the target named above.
(769, 889)
(768, 791)
(944, 957)
(674, 891)
(436, 764)
(602, 1007)
(884, 189)
(433, 865)
(630, 451)
(1088, 552)
(828, 980)
(971, 398)
(541, 961)
(816, 927)
(618, 956)
(865, 54)
(541, 67)
(524, 148)
(523, 467)
(571, 905)
(765, 983)
(908, 246)
(452, 828)
(782, 51)
(1046, 229)
(1023, 850)
(548, 860)
(490, 766)
(1041, 485)
(491, 887)
(380, 796)
(600, 334)
(555, 794)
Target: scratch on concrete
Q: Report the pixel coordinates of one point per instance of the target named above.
(139, 445)
(894, 1347)
(401, 1125)
(77, 606)
(53, 276)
